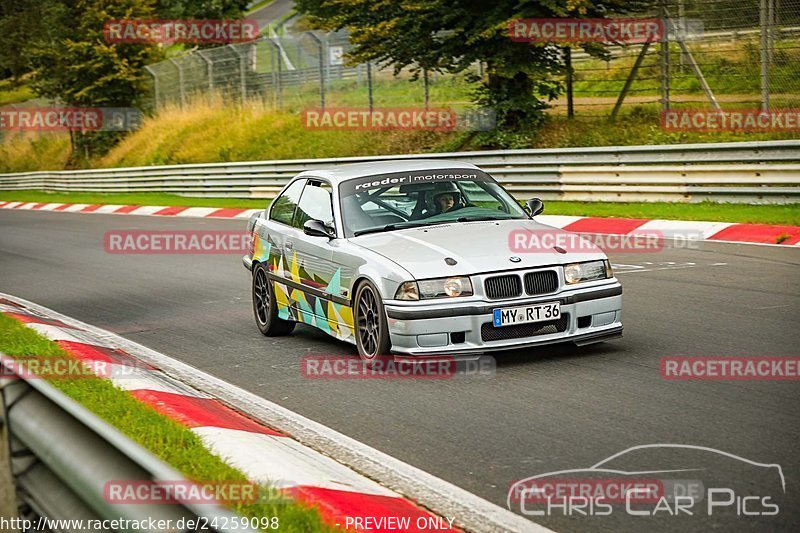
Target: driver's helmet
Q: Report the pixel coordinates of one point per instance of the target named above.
(444, 188)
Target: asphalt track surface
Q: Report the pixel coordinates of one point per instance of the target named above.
(271, 12)
(544, 410)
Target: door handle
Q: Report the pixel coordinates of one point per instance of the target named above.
(289, 245)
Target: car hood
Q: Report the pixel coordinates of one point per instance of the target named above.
(476, 247)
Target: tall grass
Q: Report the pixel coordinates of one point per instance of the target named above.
(207, 132)
(29, 151)
(210, 131)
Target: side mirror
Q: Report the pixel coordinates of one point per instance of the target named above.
(534, 206)
(317, 228)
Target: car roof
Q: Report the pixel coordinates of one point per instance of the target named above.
(342, 173)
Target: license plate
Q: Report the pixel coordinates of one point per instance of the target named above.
(509, 316)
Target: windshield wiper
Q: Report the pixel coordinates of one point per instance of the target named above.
(482, 218)
(389, 227)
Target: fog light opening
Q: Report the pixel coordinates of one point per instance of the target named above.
(458, 337)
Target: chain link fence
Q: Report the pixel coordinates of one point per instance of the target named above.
(717, 53)
(296, 71)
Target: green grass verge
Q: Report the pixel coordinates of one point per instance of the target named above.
(168, 440)
(706, 211)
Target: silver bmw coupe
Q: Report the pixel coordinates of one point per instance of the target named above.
(416, 258)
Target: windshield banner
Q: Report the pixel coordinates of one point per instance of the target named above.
(398, 179)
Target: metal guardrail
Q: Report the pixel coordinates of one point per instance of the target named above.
(747, 172)
(62, 456)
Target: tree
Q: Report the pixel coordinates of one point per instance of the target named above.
(63, 45)
(452, 35)
(18, 21)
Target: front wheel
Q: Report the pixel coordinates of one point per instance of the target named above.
(372, 330)
(265, 307)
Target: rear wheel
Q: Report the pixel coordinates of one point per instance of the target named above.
(372, 330)
(265, 307)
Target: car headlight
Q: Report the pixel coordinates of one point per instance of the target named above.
(434, 288)
(589, 271)
(407, 291)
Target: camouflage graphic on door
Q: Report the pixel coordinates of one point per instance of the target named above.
(293, 304)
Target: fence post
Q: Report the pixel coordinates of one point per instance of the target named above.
(369, 85)
(272, 72)
(425, 87)
(279, 62)
(242, 73)
(328, 63)
(210, 65)
(321, 69)
(180, 81)
(764, 44)
(156, 88)
(664, 56)
(568, 64)
(770, 30)
(682, 30)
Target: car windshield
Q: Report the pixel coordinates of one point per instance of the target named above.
(399, 200)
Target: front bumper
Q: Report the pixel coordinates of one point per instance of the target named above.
(446, 328)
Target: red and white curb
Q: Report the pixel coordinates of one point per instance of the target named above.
(687, 229)
(150, 210)
(694, 230)
(274, 454)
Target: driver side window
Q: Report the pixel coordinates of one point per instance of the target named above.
(316, 203)
(283, 207)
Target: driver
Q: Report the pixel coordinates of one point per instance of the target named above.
(447, 198)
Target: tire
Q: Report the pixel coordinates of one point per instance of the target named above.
(265, 308)
(372, 330)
